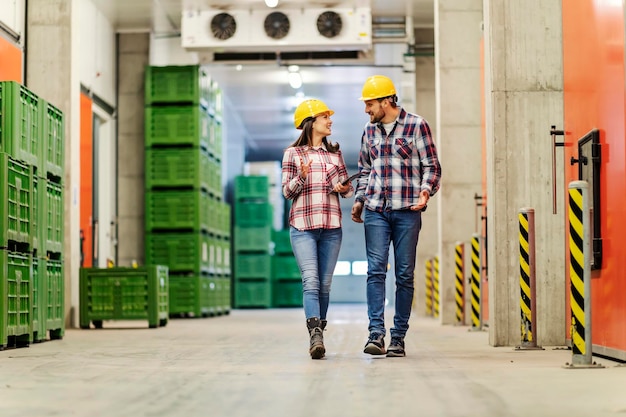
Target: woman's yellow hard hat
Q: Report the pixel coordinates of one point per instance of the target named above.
(309, 108)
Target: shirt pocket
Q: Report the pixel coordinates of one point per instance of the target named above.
(374, 146)
(403, 148)
(332, 175)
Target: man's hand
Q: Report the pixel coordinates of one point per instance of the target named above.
(422, 200)
(357, 210)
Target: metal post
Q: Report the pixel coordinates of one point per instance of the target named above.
(429, 288)
(459, 272)
(528, 285)
(580, 276)
(477, 323)
(436, 286)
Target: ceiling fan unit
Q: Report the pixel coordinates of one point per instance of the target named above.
(329, 24)
(284, 30)
(276, 25)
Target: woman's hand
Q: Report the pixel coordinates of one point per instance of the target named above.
(305, 168)
(341, 189)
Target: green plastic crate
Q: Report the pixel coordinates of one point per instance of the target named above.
(177, 167)
(285, 267)
(38, 216)
(282, 242)
(54, 217)
(53, 144)
(253, 266)
(215, 179)
(287, 294)
(178, 210)
(252, 187)
(124, 294)
(193, 295)
(176, 84)
(252, 239)
(55, 298)
(176, 126)
(181, 252)
(21, 133)
(253, 214)
(15, 299)
(224, 267)
(38, 300)
(224, 294)
(253, 294)
(224, 219)
(16, 189)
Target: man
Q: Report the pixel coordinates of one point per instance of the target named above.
(399, 171)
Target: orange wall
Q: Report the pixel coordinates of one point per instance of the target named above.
(10, 61)
(86, 177)
(593, 66)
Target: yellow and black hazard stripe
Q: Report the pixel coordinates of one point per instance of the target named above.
(429, 288)
(459, 288)
(436, 286)
(475, 283)
(577, 268)
(524, 282)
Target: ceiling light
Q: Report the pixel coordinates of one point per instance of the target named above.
(295, 80)
(294, 77)
(271, 3)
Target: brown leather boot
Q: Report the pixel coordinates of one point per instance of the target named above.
(316, 347)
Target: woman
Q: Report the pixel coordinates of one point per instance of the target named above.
(312, 174)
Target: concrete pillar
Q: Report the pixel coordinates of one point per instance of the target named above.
(524, 97)
(457, 66)
(52, 72)
(428, 245)
(133, 56)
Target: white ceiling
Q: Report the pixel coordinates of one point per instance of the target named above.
(260, 94)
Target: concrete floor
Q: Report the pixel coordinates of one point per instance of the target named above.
(256, 363)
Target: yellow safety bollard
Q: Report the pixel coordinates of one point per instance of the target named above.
(459, 272)
(429, 287)
(476, 315)
(580, 276)
(527, 280)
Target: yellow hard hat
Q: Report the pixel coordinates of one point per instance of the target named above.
(377, 86)
(309, 108)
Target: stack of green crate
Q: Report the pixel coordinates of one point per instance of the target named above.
(286, 280)
(252, 230)
(31, 212)
(187, 221)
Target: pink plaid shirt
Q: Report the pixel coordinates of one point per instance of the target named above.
(315, 205)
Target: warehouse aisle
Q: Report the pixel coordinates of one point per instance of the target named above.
(255, 363)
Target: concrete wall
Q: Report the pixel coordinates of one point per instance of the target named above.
(524, 97)
(133, 56)
(457, 45)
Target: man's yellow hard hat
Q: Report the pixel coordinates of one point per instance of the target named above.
(377, 86)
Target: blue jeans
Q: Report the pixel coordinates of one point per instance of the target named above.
(402, 228)
(316, 252)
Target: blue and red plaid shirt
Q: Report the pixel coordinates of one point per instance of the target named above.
(395, 166)
(315, 205)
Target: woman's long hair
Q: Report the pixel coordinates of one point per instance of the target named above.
(306, 137)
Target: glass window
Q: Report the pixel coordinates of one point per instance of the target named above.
(342, 268)
(359, 268)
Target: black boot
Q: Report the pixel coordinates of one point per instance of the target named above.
(316, 348)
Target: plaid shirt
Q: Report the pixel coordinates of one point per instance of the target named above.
(315, 205)
(395, 167)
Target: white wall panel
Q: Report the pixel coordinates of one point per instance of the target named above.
(97, 52)
(12, 16)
